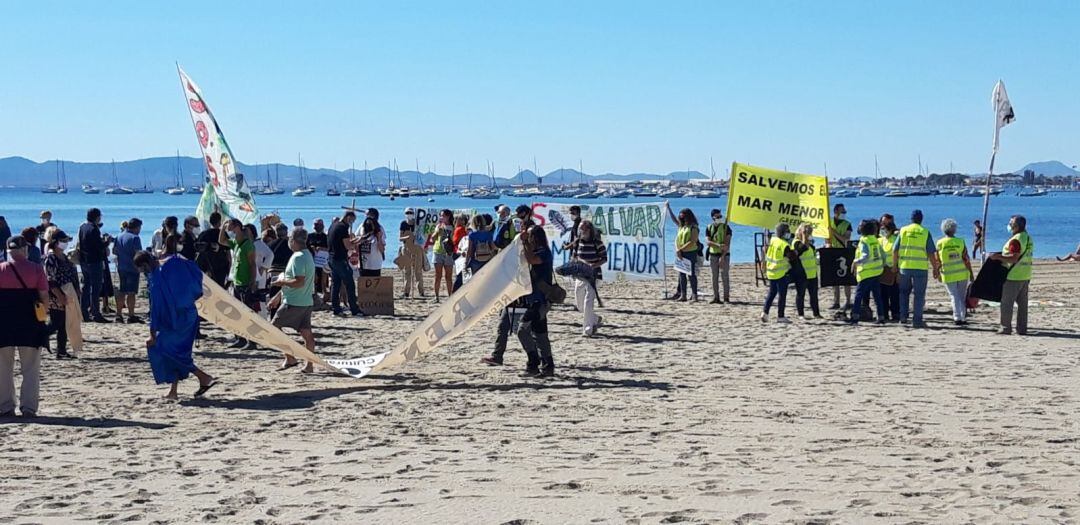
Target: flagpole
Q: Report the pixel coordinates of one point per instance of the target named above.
(986, 201)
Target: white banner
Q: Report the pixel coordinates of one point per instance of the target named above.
(633, 233)
(231, 195)
(497, 284)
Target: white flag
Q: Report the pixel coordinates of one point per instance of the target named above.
(1003, 110)
(230, 194)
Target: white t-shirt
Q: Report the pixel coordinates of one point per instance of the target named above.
(371, 256)
(264, 256)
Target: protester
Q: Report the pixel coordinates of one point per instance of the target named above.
(868, 265)
(372, 249)
(212, 257)
(461, 231)
(60, 272)
(590, 249)
(915, 254)
(575, 216)
(805, 270)
(30, 234)
(504, 230)
(108, 291)
(955, 269)
(298, 223)
(840, 237)
(46, 223)
(24, 292)
(126, 246)
(441, 240)
(978, 239)
(481, 245)
(411, 255)
(1017, 255)
(778, 259)
(686, 247)
(718, 238)
(242, 273)
(188, 237)
(533, 331)
(174, 284)
(169, 226)
(890, 275)
(317, 243)
(340, 240)
(264, 257)
(91, 262)
(297, 296)
(502, 335)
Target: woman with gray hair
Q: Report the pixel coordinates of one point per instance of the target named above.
(955, 269)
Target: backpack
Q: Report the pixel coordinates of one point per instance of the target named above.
(485, 250)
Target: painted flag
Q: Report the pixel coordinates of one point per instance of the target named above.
(230, 194)
(1002, 109)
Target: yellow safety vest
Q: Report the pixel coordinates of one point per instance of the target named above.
(776, 264)
(717, 232)
(684, 236)
(913, 239)
(951, 251)
(874, 265)
(842, 226)
(1021, 271)
(888, 242)
(809, 262)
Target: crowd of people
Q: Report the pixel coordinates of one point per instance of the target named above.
(285, 274)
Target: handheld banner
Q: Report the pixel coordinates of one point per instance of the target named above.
(763, 197)
(231, 195)
(633, 233)
(683, 266)
(497, 284)
(835, 267)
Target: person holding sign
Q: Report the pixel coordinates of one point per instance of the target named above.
(1016, 256)
(686, 247)
(778, 259)
(805, 270)
(839, 237)
(915, 254)
(718, 238)
(868, 265)
(955, 269)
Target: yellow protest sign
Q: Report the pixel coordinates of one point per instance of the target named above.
(763, 197)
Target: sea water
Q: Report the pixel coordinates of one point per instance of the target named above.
(1053, 220)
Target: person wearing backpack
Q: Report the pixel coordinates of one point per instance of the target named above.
(481, 245)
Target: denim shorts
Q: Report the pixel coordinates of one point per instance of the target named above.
(444, 259)
(129, 282)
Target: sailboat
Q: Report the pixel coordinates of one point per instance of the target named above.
(419, 191)
(117, 189)
(488, 193)
(146, 185)
(353, 190)
(178, 179)
(61, 180)
(270, 188)
(304, 188)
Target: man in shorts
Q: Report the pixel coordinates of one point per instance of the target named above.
(297, 296)
(125, 247)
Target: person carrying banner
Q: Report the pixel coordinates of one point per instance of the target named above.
(174, 284)
(296, 298)
(890, 276)
(718, 238)
(687, 247)
(840, 237)
(868, 266)
(533, 332)
(411, 255)
(955, 269)
(805, 270)
(778, 259)
(915, 254)
(1017, 256)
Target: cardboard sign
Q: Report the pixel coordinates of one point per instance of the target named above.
(836, 267)
(375, 295)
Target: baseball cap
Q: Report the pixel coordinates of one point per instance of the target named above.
(409, 211)
(57, 234)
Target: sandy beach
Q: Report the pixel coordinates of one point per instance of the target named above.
(678, 412)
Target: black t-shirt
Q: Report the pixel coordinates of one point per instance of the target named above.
(336, 238)
(282, 253)
(189, 245)
(209, 255)
(91, 246)
(316, 240)
(407, 227)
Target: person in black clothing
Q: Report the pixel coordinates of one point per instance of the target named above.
(92, 263)
(188, 238)
(316, 241)
(575, 215)
(340, 240)
(212, 258)
(804, 242)
(46, 223)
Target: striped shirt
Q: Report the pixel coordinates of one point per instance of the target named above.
(591, 252)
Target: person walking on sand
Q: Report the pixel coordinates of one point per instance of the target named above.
(686, 247)
(805, 271)
(778, 258)
(24, 292)
(890, 275)
(840, 237)
(955, 269)
(296, 298)
(868, 265)
(1017, 256)
(533, 332)
(915, 254)
(718, 238)
(502, 334)
(174, 285)
(126, 246)
(589, 249)
(411, 255)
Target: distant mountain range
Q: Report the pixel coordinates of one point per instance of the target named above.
(160, 172)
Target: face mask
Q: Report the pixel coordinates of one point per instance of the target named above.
(196, 231)
(842, 216)
(232, 235)
(179, 248)
(410, 219)
(63, 246)
(45, 222)
(1008, 228)
(717, 220)
(787, 236)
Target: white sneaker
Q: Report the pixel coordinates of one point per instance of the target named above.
(783, 320)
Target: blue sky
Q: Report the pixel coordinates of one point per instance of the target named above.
(623, 86)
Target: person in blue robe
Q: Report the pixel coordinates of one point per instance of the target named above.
(174, 284)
